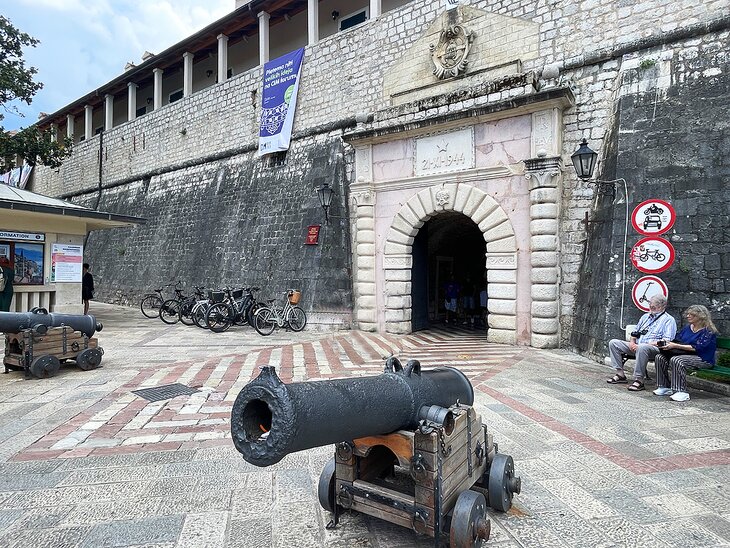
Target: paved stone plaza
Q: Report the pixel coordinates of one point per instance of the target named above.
(87, 463)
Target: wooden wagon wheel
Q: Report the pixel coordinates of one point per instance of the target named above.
(89, 358)
(45, 366)
(325, 490)
(470, 526)
(502, 482)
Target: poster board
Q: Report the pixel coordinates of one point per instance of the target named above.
(66, 263)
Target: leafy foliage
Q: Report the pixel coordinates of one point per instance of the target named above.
(16, 84)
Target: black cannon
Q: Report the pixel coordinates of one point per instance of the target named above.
(39, 320)
(271, 419)
(409, 447)
(38, 342)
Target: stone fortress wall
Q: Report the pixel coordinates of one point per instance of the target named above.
(190, 166)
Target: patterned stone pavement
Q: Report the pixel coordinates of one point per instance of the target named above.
(85, 462)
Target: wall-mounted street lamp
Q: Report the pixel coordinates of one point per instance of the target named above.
(325, 193)
(584, 160)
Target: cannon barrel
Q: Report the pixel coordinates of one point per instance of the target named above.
(271, 419)
(15, 322)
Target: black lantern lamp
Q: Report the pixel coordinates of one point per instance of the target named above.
(325, 194)
(584, 160)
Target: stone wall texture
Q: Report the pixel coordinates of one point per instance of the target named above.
(650, 81)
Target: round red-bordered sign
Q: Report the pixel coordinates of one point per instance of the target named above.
(652, 255)
(653, 217)
(645, 288)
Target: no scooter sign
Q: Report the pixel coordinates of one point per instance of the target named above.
(653, 217)
(645, 288)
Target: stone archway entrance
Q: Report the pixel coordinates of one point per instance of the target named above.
(447, 245)
(498, 233)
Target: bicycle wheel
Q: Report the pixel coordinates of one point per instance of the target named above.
(150, 306)
(186, 312)
(297, 318)
(219, 317)
(200, 312)
(251, 313)
(265, 321)
(170, 311)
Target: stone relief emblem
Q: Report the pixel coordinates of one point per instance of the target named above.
(443, 197)
(449, 55)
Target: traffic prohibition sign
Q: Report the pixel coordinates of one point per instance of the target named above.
(653, 217)
(645, 288)
(652, 255)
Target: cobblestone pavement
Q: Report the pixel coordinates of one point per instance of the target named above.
(85, 462)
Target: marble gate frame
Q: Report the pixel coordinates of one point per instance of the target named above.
(543, 172)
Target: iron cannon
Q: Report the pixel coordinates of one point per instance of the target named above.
(39, 320)
(271, 419)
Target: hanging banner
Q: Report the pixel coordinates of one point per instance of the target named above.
(279, 101)
(66, 263)
(645, 288)
(652, 255)
(653, 217)
(17, 177)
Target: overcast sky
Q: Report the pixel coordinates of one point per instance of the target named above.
(86, 43)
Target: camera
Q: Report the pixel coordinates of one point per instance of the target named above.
(637, 334)
(661, 343)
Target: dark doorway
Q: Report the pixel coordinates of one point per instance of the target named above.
(449, 244)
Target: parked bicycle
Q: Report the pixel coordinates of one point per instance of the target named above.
(223, 314)
(170, 309)
(151, 302)
(292, 316)
(186, 306)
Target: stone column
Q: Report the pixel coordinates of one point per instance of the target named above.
(187, 73)
(363, 241)
(375, 9)
(313, 21)
(263, 37)
(54, 132)
(222, 57)
(88, 122)
(131, 101)
(108, 112)
(157, 94)
(543, 174)
(70, 119)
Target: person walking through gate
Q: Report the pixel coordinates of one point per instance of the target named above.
(87, 288)
(6, 284)
(451, 291)
(652, 327)
(694, 348)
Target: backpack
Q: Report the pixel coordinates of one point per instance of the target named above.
(3, 279)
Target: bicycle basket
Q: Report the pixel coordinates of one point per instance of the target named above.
(237, 294)
(218, 296)
(294, 297)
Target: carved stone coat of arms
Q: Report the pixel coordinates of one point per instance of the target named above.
(449, 55)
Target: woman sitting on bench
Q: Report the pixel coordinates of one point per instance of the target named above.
(694, 348)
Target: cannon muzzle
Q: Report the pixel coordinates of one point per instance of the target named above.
(271, 419)
(40, 321)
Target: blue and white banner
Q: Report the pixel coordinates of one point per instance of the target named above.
(279, 101)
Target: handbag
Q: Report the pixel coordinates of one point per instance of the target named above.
(671, 352)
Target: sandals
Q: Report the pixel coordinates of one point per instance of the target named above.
(636, 386)
(618, 379)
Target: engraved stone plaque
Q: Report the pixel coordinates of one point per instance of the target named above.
(445, 153)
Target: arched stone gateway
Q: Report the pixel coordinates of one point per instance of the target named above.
(501, 259)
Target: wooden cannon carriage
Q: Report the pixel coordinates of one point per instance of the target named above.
(36, 345)
(437, 480)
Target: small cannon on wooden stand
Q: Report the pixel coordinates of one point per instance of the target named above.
(410, 449)
(37, 342)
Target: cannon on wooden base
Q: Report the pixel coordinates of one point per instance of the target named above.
(410, 449)
(37, 342)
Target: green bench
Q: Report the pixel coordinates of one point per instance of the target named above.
(718, 373)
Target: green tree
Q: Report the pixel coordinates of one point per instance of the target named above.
(16, 84)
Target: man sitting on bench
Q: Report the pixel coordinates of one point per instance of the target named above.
(652, 327)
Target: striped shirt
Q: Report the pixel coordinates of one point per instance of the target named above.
(658, 326)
